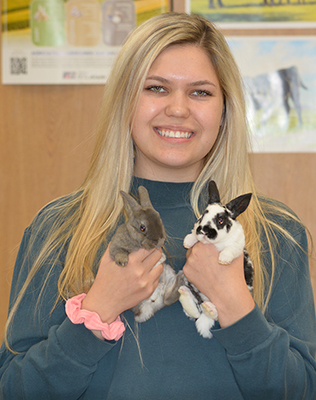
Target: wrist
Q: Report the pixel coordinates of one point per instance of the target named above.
(92, 320)
(107, 315)
(233, 309)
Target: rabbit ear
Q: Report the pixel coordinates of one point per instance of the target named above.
(130, 204)
(239, 204)
(144, 197)
(213, 193)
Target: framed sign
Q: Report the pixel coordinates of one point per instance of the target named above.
(67, 42)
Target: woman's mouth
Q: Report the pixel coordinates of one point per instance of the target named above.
(174, 133)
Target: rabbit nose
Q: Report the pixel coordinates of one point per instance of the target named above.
(210, 232)
(207, 230)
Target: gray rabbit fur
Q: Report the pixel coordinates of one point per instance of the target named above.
(144, 229)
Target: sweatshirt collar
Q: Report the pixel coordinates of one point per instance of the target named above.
(164, 194)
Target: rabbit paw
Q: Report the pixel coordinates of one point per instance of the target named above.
(188, 303)
(147, 308)
(121, 259)
(225, 258)
(144, 314)
(210, 310)
(189, 240)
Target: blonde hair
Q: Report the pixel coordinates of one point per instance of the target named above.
(94, 209)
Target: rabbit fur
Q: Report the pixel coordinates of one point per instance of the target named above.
(217, 225)
(144, 229)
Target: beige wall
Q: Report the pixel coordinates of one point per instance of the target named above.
(46, 135)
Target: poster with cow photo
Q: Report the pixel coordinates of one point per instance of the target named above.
(280, 86)
(256, 13)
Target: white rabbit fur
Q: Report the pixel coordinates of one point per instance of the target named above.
(217, 225)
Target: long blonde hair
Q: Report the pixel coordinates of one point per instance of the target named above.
(86, 219)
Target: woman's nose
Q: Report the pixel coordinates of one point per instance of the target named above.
(178, 106)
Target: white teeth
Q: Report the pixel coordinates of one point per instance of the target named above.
(174, 134)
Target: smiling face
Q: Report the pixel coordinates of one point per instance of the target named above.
(178, 116)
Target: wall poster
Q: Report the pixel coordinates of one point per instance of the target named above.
(280, 85)
(67, 41)
(279, 72)
(257, 13)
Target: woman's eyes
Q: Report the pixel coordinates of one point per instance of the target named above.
(195, 93)
(156, 89)
(201, 93)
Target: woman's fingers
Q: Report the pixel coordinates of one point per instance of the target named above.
(118, 288)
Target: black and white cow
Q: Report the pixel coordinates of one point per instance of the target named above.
(270, 93)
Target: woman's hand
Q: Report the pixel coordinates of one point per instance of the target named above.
(117, 288)
(224, 285)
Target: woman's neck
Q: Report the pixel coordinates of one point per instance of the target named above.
(167, 174)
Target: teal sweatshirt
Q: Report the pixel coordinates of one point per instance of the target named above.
(269, 356)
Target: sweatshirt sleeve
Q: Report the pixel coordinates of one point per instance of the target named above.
(273, 355)
(53, 359)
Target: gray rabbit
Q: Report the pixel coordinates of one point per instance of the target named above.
(144, 229)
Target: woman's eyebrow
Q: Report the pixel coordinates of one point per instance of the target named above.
(158, 78)
(164, 80)
(201, 83)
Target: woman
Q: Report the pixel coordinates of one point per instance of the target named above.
(173, 118)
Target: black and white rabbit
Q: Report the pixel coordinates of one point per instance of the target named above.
(217, 225)
(144, 229)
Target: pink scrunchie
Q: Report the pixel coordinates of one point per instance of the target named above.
(92, 320)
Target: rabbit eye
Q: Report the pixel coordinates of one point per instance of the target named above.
(220, 221)
(142, 228)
